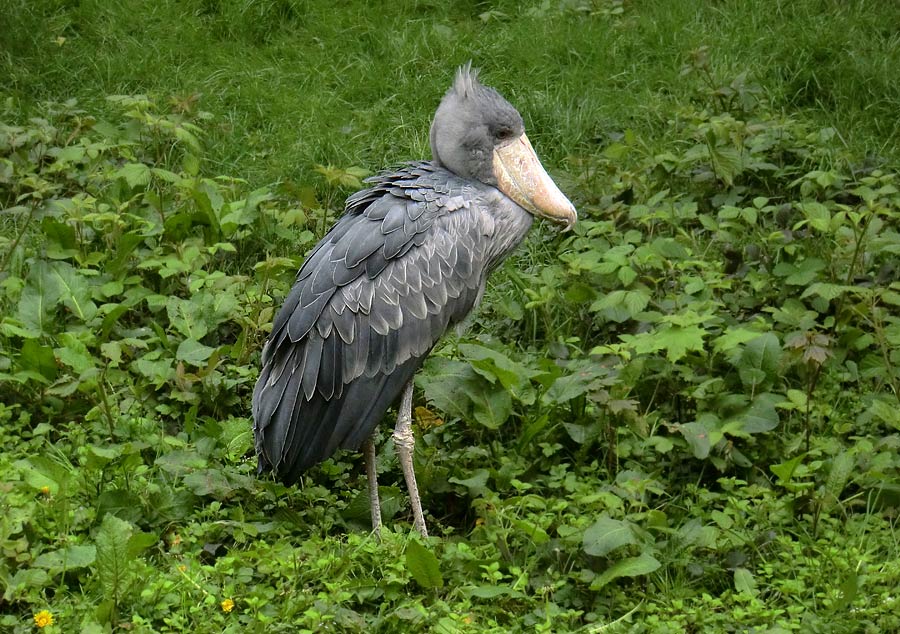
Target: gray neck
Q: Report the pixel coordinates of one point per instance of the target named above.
(511, 226)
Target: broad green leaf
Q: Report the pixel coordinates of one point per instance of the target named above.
(210, 482)
(727, 162)
(219, 306)
(457, 389)
(886, 412)
(243, 212)
(187, 317)
(785, 470)
(75, 291)
(492, 406)
(565, 388)
(633, 301)
(534, 533)
(193, 352)
(892, 333)
(39, 299)
(849, 590)
(446, 383)
(605, 535)
(817, 215)
(643, 564)
(121, 503)
(423, 565)
(60, 237)
(113, 557)
(626, 275)
(11, 329)
(838, 477)
(678, 341)
(476, 483)
(140, 541)
(183, 133)
(359, 508)
(158, 371)
(761, 415)
(173, 505)
(181, 461)
(800, 273)
(698, 437)
(70, 154)
(112, 350)
(636, 300)
(744, 582)
(135, 174)
(492, 364)
(166, 175)
(101, 456)
(38, 359)
(826, 291)
(732, 338)
(695, 533)
(67, 558)
(236, 436)
(581, 433)
(759, 361)
(40, 471)
(669, 248)
(890, 297)
(532, 430)
(74, 353)
(24, 582)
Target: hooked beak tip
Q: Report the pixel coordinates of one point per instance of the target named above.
(522, 178)
(571, 220)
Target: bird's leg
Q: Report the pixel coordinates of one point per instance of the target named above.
(405, 442)
(372, 477)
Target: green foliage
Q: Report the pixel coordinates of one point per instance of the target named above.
(681, 417)
(423, 566)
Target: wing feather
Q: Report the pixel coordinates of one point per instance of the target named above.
(369, 303)
(311, 362)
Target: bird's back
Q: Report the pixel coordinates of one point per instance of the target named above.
(408, 259)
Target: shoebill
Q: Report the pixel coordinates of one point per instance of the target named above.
(408, 259)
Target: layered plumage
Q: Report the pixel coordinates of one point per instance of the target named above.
(408, 259)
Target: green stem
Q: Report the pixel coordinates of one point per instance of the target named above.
(12, 249)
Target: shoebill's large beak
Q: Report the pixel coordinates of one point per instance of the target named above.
(521, 176)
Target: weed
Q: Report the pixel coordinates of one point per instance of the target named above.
(689, 423)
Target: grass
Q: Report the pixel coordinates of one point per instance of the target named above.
(679, 418)
(295, 84)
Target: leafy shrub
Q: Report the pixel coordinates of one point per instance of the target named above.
(689, 424)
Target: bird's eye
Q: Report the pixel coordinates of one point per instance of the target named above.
(504, 133)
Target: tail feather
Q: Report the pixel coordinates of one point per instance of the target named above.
(296, 433)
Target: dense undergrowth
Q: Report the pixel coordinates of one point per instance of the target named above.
(682, 417)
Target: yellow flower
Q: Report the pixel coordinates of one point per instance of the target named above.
(43, 618)
(227, 605)
(45, 490)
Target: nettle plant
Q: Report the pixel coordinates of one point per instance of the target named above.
(708, 366)
(759, 301)
(132, 301)
(732, 300)
(115, 280)
(725, 332)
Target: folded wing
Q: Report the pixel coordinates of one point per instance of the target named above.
(407, 260)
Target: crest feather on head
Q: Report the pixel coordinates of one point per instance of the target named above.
(466, 83)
